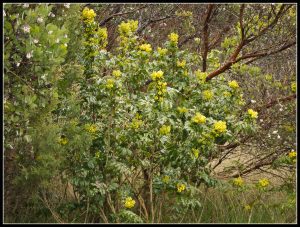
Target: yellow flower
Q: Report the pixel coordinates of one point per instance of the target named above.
(127, 28)
(97, 154)
(157, 75)
(180, 187)
(292, 154)
(238, 182)
(110, 83)
(138, 116)
(102, 32)
(263, 182)
(199, 118)
(173, 38)
(226, 94)
(136, 123)
(162, 51)
(247, 207)
(129, 202)
(181, 63)
(197, 40)
(182, 109)
(91, 128)
(201, 76)
(220, 126)
(233, 84)
(195, 152)
(146, 47)
(88, 15)
(293, 86)
(165, 130)
(185, 73)
(252, 113)
(269, 77)
(116, 73)
(207, 94)
(166, 179)
(63, 141)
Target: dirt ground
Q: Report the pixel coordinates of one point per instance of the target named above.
(230, 165)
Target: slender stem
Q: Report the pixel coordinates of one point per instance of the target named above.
(87, 210)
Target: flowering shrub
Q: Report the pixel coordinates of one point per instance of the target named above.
(129, 128)
(156, 115)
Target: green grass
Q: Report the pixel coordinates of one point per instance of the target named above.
(217, 206)
(221, 206)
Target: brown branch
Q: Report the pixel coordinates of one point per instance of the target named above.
(227, 64)
(271, 25)
(119, 14)
(256, 55)
(151, 22)
(276, 101)
(265, 161)
(260, 55)
(206, 36)
(218, 37)
(233, 58)
(183, 42)
(241, 21)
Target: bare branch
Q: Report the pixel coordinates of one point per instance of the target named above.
(119, 14)
(276, 101)
(206, 35)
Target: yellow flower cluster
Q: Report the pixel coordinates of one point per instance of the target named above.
(166, 179)
(182, 109)
(294, 86)
(197, 40)
(116, 73)
(98, 154)
(88, 15)
(157, 75)
(181, 63)
(161, 86)
(101, 37)
(137, 122)
(195, 152)
(185, 73)
(180, 187)
(252, 113)
(91, 128)
(184, 13)
(269, 77)
(247, 207)
(63, 141)
(207, 94)
(165, 130)
(227, 94)
(162, 51)
(201, 76)
(146, 47)
(173, 37)
(102, 32)
(292, 154)
(238, 182)
(110, 83)
(128, 28)
(263, 182)
(220, 126)
(233, 84)
(199, 118)
(129, 202)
